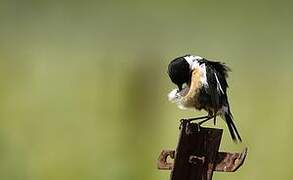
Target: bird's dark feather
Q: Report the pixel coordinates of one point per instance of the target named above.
(217, 98)
(214, 98)
(178, 71)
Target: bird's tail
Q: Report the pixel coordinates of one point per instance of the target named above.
(232, 128)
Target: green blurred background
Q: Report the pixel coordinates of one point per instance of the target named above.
(83, 85)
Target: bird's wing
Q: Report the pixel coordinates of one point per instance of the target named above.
(217, 85)
(220, 72)
(213, 89)
(216, 77)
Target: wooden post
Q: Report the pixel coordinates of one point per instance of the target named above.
(197, 156)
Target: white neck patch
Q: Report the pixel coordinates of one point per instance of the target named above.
(193, 64)
(193, 61)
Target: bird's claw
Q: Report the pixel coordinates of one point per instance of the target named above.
(181, 123)
(188, 127)
(188, 122)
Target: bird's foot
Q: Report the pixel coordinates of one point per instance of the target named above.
(187, 123)
(189, 127)
(182, 121)
(189, 120)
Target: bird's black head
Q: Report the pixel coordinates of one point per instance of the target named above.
(179, 71)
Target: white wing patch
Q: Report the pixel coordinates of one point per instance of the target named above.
(193, 61)
(219, 87)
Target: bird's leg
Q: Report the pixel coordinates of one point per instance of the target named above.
(188, 120)
(197, 118)
(208, 118)
(215, 116)
(211, 114)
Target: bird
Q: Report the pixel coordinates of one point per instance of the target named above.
(202, 85)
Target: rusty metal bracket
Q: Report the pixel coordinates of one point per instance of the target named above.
(196, 159)
(225, 161)
(230, 162)
(162, 160)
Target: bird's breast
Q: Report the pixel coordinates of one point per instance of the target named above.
(191, 99)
